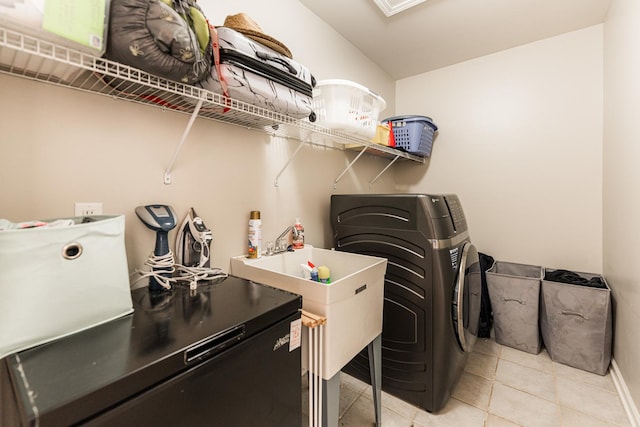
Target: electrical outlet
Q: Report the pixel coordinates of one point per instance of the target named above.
(88, 208)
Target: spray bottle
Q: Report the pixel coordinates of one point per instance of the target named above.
(255, 235)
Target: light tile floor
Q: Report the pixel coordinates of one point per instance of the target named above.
(500, 386)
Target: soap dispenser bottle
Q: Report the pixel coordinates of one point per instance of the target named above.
(298, 235)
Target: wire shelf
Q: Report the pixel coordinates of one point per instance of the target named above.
(36, 59)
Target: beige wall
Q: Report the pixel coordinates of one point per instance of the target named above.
(621, 201)
(61, 146)
(520, 141)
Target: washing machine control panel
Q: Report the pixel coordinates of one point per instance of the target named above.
(437, 207)
(456, 212)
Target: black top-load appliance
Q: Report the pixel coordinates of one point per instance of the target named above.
(226, 354)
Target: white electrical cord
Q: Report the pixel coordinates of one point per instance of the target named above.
(157, 262)
(193, 275)
(163, 264)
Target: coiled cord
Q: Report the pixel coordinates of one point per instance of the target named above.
(193, 275)
(164, 265)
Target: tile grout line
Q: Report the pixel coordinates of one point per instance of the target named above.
(554, 370)
(493, 384)
(601, 389)
(350, 405)
(555, 384)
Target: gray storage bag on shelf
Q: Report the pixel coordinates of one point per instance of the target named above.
(514, 291)
(576, 323)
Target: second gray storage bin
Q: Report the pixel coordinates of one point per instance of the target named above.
(576, 322)
(514, 291)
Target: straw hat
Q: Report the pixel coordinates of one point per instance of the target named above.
(242, 23)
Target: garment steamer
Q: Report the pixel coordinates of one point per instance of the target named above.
(193, 242)
(161, 219)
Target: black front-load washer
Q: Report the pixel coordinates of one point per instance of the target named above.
(432, 288)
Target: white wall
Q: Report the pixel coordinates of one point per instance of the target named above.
(520, 141)
(60, 146)
(621, 201)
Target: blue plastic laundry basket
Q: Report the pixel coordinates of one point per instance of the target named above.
(413, 134)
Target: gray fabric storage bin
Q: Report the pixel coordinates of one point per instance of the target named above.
(514, 291)
(576, 324)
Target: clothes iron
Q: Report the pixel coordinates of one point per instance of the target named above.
(193, 242)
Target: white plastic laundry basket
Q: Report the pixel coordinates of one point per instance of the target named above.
(348, 107)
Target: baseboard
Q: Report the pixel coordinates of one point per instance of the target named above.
(628, 403)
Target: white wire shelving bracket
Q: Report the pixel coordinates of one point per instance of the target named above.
(300, 145)
(393, 157)
(167, 172)
(36, 59)
(335, 182)
(383, 170)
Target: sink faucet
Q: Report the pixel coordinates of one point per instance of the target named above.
(281, 242)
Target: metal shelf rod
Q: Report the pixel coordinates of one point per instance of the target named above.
(335, 183)
(300, 145)
(383, 170)
(167, 172)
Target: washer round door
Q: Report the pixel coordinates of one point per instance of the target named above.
(467, 297)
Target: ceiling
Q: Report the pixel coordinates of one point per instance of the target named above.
(438, 33)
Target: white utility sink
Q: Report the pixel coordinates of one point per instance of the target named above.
(351, 303)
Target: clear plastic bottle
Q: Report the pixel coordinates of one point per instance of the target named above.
(255, 235)
(298, 235)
